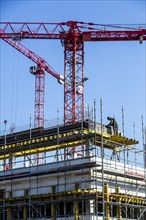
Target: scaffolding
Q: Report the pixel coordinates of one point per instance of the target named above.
(85, 173)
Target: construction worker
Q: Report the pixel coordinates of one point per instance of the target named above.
(7, 166)
(113, 125)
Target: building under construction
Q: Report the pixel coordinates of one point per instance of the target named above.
(79, 171)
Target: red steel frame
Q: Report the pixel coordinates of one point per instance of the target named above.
(39, 78)
(74, 34)
(87, 31)
(73, 84)
(39, 97)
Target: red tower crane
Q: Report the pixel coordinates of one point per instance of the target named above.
(39, 73)
(72, 34)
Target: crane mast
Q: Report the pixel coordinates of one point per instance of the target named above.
(39, 73)
(73, 75)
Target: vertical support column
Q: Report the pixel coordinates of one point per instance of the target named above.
(25, 210)
(12, 161)
(87, 145)
(39, 95)
(39, 73)
(53, 206)
(9, 209)
(119, 211)
(76, 203)
(74, 78)
(106, 198)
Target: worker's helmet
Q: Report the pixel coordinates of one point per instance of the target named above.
(108, 118)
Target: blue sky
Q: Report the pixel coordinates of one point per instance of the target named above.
(116, 70)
